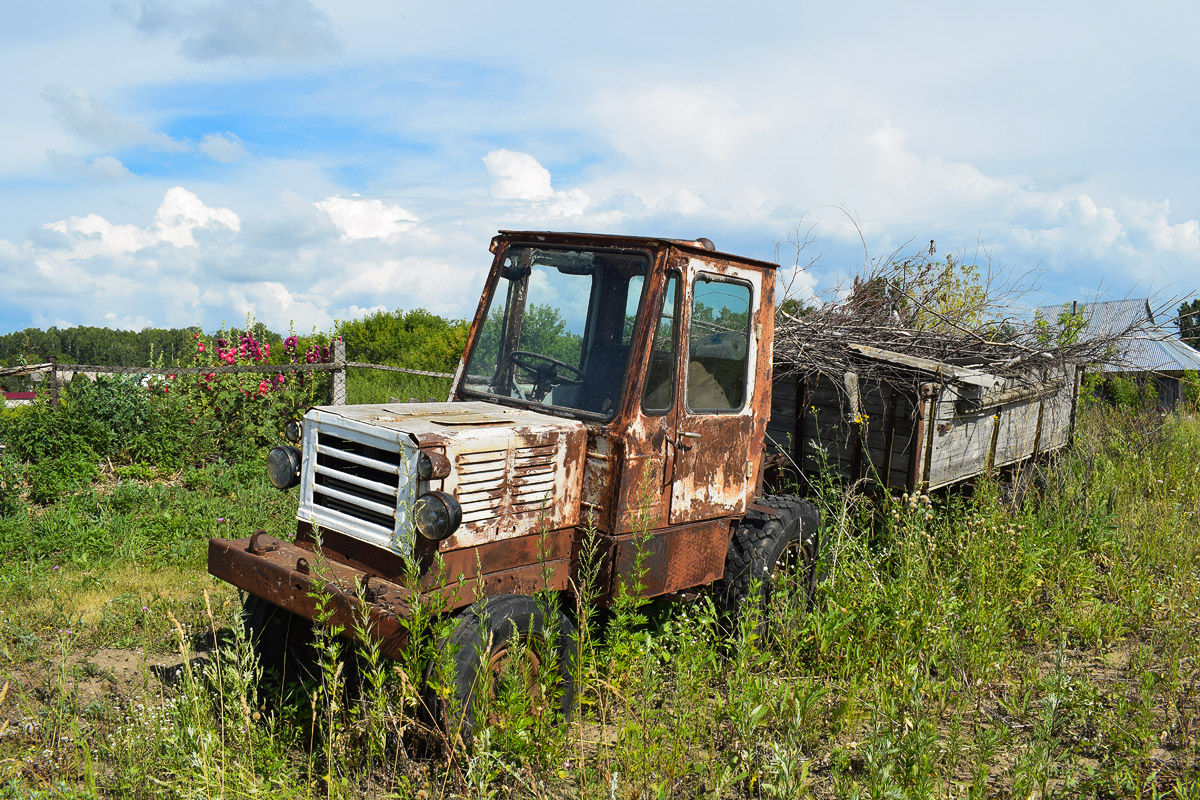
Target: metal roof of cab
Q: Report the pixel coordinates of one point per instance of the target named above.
(616, 240)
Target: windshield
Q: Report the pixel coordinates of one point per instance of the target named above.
(558, 328)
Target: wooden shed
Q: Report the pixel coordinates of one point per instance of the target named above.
(918, 424)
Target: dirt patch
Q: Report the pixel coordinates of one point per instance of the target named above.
(124, 672)
(100, 677)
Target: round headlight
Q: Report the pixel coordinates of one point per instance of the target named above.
(283, 466)
(292, 431)
(438, 515)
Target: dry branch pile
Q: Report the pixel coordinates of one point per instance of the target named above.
(946, 312)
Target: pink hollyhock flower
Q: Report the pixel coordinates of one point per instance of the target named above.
(201, 346)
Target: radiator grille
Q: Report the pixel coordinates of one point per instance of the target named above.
(357, 480)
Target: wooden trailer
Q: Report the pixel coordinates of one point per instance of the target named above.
(918, 424)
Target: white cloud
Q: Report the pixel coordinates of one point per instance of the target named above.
(520, 177)
(182, 212)
(101, 168)
(193, 262)
(175, 222)
(366, 218)
(107, 168)
(85, 117)
(517, 176)
(217, 29)
(225, 148)
(129, 323)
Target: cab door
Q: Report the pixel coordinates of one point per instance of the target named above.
(713, 470)
(647, 437)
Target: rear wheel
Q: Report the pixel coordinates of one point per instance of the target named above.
(772, 557)
(500, 639)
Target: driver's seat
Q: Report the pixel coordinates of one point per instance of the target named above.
(602, 378)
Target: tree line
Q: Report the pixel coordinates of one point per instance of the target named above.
(416, 339)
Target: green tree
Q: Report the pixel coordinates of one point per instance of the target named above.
(545, 331)
(1189, 322)
(416, 339)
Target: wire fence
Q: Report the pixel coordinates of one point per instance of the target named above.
(338, 366)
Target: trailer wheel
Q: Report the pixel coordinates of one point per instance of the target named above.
(283, 641)
(771, 546)
(480, 650)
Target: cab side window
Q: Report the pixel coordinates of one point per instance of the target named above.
(659, 393)
(718, 345)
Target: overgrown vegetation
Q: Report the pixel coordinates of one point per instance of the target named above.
(958, 647)
(961, 645)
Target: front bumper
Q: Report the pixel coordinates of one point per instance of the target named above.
(302, 581)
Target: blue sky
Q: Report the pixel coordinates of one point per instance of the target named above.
(194, 162)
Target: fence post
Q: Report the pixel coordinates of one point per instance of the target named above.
(339, 372)
(54, 380)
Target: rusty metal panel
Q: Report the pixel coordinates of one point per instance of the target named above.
(292, 577)
(601, 471)
(674, 559)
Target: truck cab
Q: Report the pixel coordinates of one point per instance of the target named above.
(661, 349)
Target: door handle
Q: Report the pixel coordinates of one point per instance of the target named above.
(683, 441)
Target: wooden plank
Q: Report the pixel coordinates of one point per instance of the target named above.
(965, 375)
(798, 444)
(930, 428)
(1022, 392)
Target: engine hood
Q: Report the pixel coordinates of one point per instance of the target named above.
(513, 471)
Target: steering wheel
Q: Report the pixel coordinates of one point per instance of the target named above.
(545, 369)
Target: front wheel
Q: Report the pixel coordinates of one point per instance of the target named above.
(283, 641)
(502, 638)
(773, 551)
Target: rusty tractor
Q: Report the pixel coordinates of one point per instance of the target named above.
(612, 387)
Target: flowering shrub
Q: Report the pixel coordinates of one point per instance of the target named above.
(249, 408)
(168, 420)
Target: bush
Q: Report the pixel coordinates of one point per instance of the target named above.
(55, 478)
(163, 421)
(246, 411)
(11, 479)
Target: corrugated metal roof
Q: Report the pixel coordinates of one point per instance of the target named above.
(1150, 352)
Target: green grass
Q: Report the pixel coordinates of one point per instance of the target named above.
(958, 648)
(379, 386)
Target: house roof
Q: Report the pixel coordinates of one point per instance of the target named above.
(1153, 350)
